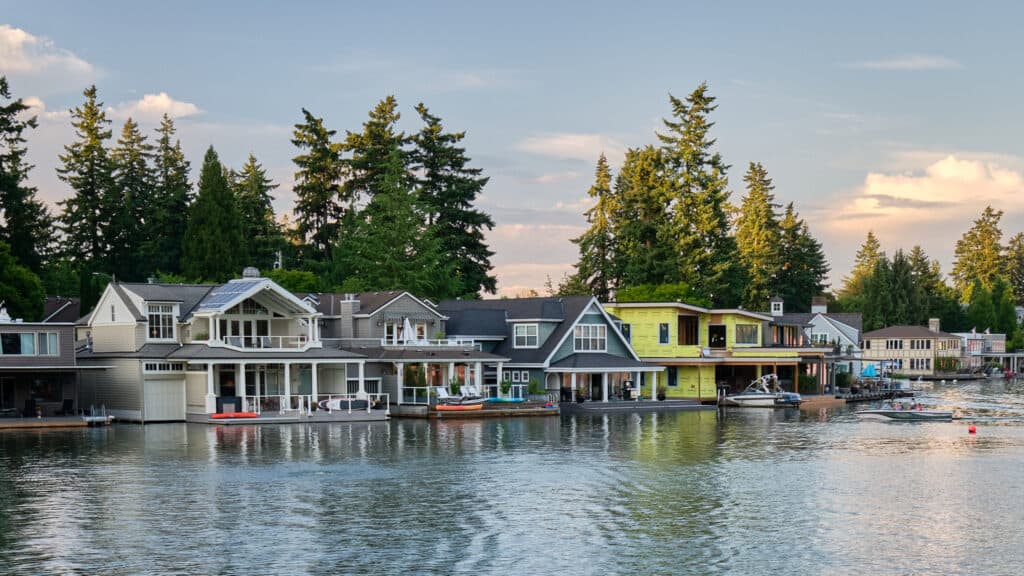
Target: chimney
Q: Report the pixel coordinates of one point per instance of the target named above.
(776, 306)
(819, 305)
(933, 325)
(251, 272)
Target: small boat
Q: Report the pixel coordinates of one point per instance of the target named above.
(764, 392)
(458, 407)
(227, 416)
(897, 413)
(507, 400)
(338, 404)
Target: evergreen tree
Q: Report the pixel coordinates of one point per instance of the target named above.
(166, 214)
(371, 150)
(214, 248)
(1015, 266)
(981, 312)
(758, 239)
(20, 289)
(979, 254)
(125, 202)
(262, 233)
(645, 247)
(696, 186)
(447, 189)
(86, 167)
(804, 268)
(870, 252)
(877, 297)
(597, 244)
(388, 247)
(1004, 308)
(25, 223)
(318, 206)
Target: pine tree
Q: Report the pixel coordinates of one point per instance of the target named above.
(645, 247)
(597, 244)
(86, 167)
(127, 230)
(262, 233)
(166, 214)
(25, 224)
(696, 185)
(20, 289)
(877, 296)
(851, 296)
(370, 151)
(981, 312)
(804, 267)
(214, 248)
(979, 254)
(758, 239)
(1004, 308)
(318, 205)
(1015, 266)
(448, 187)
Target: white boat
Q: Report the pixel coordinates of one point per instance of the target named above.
(900, 413)
(764, 392)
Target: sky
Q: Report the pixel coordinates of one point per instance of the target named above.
(901, 118)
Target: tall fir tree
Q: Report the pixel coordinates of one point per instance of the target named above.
(262, 233)
(126, 231)
(25, 224)
(214, 248)
(166, 214)
(979, 254)
(645, 250)
(448, 188)
(1015, 266)
(877, 296)
(981, 311)
(696, 184)
(851, 296)
(597, 245)
(1004, 308)
(319, 205)
(86, 167)
(370, 151)
(803, 265)
(20, 289)
(758, 238)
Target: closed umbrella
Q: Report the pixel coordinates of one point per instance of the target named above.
(407, 333)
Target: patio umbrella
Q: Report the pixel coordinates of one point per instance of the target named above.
(407, 332)
(869, 371)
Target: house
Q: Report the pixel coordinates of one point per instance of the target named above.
(912, 350)
(187, 351)
(975, 346)
(838, 330)
(704, 350)
(565, 345)
(38, 372)
(405, 344)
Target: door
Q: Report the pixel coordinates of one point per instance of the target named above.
(164, 400)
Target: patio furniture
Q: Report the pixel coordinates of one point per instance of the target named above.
(67, 408)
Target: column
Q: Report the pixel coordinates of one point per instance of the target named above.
(500, 377)
(604, 387)
(211, 398)
(400, 369)
(361, 393)
(314, 387)
(572, 386)
(636, 386)
(286, 403)
(478, 374)
(240, 384)
(451, 372)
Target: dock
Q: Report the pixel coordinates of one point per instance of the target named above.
(624, 406)
(876, 395)
(317, 417)
(504, 410)
(53, 422)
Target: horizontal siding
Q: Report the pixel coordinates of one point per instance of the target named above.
(195, 392)
(65, 346)
(113, 338)
(118, 388)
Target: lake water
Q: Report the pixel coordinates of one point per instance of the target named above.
(743, 491)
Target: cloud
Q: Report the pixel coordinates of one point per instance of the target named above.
(151, 107)
(908, 62)
(572, 146)
(556, 177)
(21, 52)
(37, 108)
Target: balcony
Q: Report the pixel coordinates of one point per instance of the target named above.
(263, 342)
(442, 343)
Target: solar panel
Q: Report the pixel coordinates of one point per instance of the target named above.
(227, 293)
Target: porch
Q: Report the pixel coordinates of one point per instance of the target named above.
(601, 378)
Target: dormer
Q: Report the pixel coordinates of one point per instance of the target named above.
(162, 321)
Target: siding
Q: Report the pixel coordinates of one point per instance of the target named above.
(195, 392)
(403, 306)
(114, 337)
(65, 345)
(644, 323)
(615, 345)
(119, 388)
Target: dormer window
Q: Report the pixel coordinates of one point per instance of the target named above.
(161, 321)
(525, 336)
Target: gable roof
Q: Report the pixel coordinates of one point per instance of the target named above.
(58, 309)
(907, 332)
(188, 296)
(226, 296)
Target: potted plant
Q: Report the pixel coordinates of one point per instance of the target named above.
(455, 385)
(581, 394)
(506, 387)
(536, 391)
(662, 390)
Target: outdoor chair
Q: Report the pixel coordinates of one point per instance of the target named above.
(67, 408)
(443, 395)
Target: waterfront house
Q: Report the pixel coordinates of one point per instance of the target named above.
(565, 345)
(706, 350)
(839, 331)
(912, 350)
(976, 346)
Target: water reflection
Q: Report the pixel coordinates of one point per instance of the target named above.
(734, 491)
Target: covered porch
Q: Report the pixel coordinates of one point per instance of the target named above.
(598, 377)
(41, 392)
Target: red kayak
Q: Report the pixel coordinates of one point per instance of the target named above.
(458, 407)
(234, 415)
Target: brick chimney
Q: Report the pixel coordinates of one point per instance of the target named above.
(819, 305)
(933, 325)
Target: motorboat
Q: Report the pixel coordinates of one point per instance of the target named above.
(342, 403)
(911, 413)
(764, 392)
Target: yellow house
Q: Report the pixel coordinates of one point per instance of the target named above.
(707, 349)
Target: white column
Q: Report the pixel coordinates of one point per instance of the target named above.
(211, 398)
(572, 386)
(311, 328)
(604, 387)
(314, 387)
(636, 385)
(240, 384)
(362, 382)
(478, 374)
(400, 369)
(451, 371)
(287, 385)
(501, 376)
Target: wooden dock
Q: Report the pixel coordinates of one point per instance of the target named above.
(623, 406)
(47, 422)
(525, 409)
(875, 395)
(318, 417)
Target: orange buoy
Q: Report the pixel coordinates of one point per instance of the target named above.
(972, 429)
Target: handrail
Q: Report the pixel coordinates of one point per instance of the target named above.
(262, 342)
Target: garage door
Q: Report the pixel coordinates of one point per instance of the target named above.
(165, 400)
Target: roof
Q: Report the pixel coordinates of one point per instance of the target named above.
(568, 308)
(146, 351)
(204, 352)
(907, 332)
(116, 287)
(691, 308)
(432, 354)
(58, 309)
(477, 322)
(188, 296)
(601, 361)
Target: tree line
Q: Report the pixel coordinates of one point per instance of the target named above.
(376, 210)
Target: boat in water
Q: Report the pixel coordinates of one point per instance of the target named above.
(900, 413)
(764, 392)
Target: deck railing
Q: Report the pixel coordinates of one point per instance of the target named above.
(263, 342)
(303, 404)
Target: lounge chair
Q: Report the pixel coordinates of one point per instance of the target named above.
(67, 408)
(443, 396)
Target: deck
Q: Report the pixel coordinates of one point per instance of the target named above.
(624, 406)
(318, 417)
(489, 411)
(52, 422)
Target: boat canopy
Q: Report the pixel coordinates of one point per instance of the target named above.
(869, 371)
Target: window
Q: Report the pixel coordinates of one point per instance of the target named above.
(687, 331)
(48, 344)
(506, 376)
(627, 333)
(776, 308)
(867, 344)
(590, 338)
(18, 344)
(662, 333)
(421, 331)
(161, 321)
(113, 313)
(716, 336)
(673, 376)
(894, 344)
(515, 375)
(164, 366)
(747, 334)
(525, 376)
(525, 336)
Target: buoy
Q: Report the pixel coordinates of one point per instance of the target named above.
(972, 429)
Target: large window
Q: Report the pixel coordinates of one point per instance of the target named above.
(627, 333)
(663, 333)
(29, 344)
(161, 321)
(746, 334)
(688, 331)
(590, 338)
(525, 336)
(673, 376)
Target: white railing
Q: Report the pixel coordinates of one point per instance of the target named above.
(303, 404)
(263, 342)
(416, 394)
(443, 342)
(332, 403)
